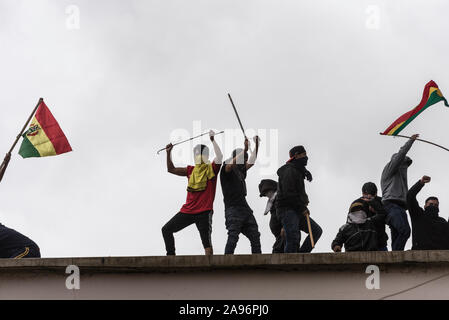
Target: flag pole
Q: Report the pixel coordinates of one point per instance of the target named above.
(26, 125)
(2, 166)
(429, 142)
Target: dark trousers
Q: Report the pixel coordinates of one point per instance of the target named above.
(399, 226)
(276, 228)
(241, 220)
(180, 221)
(293, 223)
(30, 251)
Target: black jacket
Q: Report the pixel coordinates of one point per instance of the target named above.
(379, 221)
(428, 232)
(357, 237)
(291, 192)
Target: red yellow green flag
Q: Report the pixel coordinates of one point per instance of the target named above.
(431, 95)
(44, 137)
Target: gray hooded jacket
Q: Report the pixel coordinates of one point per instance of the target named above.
(394, 176)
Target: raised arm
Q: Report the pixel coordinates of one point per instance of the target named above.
(412, 203)
(398, 158)
(239, 158)
(218, 154)
(252, 159)
(4, 165)
(171, 167)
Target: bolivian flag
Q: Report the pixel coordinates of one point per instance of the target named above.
(44, 137)
(431, 95)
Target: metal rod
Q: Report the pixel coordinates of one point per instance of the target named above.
(190, 140)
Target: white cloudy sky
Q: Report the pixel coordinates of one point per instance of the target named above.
(321, 73)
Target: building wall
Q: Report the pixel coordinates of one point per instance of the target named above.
(405, 280)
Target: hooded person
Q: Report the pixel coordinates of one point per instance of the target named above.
(430, 231)
(239, 217)
(394, 195)
(292, 201)
(359, 232)
(201, 187)
(268, 189)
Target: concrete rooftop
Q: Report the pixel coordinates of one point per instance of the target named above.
(314, 261)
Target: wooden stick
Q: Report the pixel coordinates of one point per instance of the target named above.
(23, 129)
(310, 229)
(190, 140)
(429, 142)
(238, 118)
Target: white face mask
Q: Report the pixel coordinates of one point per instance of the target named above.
(271, 196)
(357, 217)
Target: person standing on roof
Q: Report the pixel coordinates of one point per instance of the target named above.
(238, 214)
(430, 231)
(292, 202)
(198, 209)
(394, 195)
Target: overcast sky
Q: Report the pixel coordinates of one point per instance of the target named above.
(329, 75)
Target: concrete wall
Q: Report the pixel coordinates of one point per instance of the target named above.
(403, 275)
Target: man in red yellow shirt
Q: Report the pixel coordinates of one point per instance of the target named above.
(198, 209)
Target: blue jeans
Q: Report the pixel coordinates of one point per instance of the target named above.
(399, 226)
(293, 223)
(241, 220)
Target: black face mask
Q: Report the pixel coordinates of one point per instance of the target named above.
(432, 211)
(301, 161)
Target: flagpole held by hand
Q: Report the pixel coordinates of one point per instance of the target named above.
(429, 142)
(5, 162)
(26, 125)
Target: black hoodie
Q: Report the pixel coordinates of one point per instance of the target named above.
(291, 190)
(428, 232)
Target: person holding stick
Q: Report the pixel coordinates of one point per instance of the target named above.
(430, 231)
(238, 214)
(13, 244)
(292, 202)
(198, 209)
(394, 195)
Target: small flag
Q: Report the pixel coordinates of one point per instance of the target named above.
(44, 137)
(431, 95)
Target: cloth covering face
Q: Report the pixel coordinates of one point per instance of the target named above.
(201, 173)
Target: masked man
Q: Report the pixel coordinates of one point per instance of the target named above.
(198, 209)
(430, 231)
(238, 214)
(359, 232)
(292, 201)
